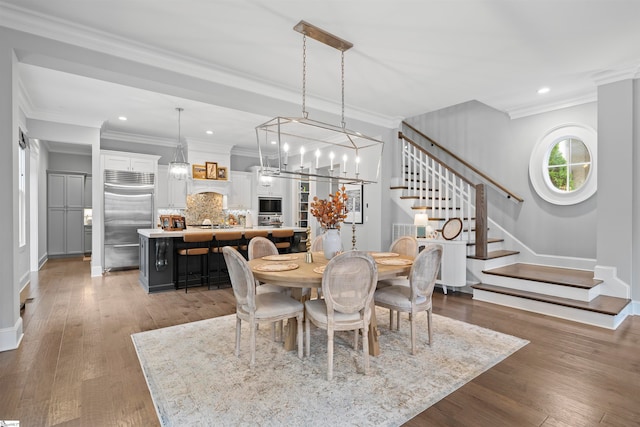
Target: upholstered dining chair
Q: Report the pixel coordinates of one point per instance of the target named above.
(348, 283)
(259, 247)
(316, 245)
(403, 245)
(252, 308)
(417, 296)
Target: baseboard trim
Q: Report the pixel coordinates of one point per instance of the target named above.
(10, 338)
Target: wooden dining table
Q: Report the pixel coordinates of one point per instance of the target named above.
(304, 277)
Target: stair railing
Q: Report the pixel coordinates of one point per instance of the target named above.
(445, 192)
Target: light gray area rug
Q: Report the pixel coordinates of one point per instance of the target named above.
(196, 380)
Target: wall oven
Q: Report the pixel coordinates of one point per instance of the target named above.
(269, 205)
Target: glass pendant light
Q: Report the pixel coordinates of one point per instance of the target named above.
(179, 168)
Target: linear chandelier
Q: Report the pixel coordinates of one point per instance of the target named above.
(297, 147)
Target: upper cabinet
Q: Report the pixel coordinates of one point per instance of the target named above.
(241, 190)
(88, 191)
(131, 162)
(170, 193)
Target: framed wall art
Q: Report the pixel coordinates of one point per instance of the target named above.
(355, 204)
(212, 170)
(223, 173)
(199, 171)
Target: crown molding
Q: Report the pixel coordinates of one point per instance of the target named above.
(530, 110)
(245, 152)
(138, 139)
(28, 21)
(612, 76)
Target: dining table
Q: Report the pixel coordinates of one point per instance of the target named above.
(293, 271)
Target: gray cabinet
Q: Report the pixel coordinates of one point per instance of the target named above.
(88, 192)
(65, 203)
(87, 239)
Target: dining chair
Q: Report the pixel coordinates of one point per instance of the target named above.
(255, 308)
(417, 296)
(316, 245)
(259, 247)
(348, 283)
(403, 245)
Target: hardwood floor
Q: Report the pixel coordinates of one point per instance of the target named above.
(77, 364)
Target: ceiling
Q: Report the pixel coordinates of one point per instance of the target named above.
(409, 58)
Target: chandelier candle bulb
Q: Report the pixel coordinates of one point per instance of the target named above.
(344, 163)
(317, 158)
(301, 157)
(285, 148)
(357, 165)
(331, 156)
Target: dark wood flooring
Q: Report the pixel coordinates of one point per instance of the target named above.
(77, 365)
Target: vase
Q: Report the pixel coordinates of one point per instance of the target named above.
(331, 243)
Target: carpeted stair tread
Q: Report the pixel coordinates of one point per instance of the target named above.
(600, 304)
(547, 274)
(494, 254)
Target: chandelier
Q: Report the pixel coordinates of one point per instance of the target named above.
(301, 147)
(178, 167)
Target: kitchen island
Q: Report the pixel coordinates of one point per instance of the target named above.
(158, 258)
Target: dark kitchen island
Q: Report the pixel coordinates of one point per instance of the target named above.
(158, 258)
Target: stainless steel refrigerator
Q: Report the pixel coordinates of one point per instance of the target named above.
(128, 206)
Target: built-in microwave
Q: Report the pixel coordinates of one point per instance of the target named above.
(270, 205)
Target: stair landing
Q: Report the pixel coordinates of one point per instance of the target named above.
(542, 273)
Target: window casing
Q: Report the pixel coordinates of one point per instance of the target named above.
(563, 164)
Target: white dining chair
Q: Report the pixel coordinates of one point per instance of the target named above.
(403, 245)
(416, 297)
(252, 308)
(348, 283)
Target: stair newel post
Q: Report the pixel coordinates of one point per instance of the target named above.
(481, 222)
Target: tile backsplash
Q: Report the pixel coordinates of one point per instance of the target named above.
(201, 206)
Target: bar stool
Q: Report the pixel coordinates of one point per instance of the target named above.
(283, 240)
(222, 239)
(248, 235)
(195, 244)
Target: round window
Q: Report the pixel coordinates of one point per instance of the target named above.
(562, 166)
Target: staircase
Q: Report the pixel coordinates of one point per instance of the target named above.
(496, 271)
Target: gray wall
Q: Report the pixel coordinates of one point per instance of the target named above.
(501, 148)
(63, 162)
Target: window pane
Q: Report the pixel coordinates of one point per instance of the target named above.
(569, 164)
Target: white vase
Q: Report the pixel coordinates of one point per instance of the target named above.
(331, 243)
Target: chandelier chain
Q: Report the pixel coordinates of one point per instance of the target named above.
(304, 75)
(344, 124)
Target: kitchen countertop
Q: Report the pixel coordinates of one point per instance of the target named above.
(157, 233)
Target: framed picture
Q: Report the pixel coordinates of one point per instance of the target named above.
(212, 170)
(355, 204)
(165, 222)
(222, 173)
(199, 171)
(177, 222)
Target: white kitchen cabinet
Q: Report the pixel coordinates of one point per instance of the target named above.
(170, 193)
(65, 225)
(241, 190)
(453, 267)
(132, 162)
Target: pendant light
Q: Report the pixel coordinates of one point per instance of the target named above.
(179, 168)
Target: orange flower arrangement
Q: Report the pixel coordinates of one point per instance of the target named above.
(330, 212)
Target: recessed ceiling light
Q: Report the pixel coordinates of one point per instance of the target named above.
(543, 90)
(209, 132)
(123, 118)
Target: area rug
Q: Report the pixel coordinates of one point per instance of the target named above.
(196, 380)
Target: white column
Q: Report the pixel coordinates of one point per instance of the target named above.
(10, 320)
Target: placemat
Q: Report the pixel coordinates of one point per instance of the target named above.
(383, 254)
(394, 261)
(276, 267)
(283, 257)
(320, 269)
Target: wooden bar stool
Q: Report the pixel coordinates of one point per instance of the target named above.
(248, 235)
(222, 239)
(283, 240)
(194, 244)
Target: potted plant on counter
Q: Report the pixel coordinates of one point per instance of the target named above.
(330, 213)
